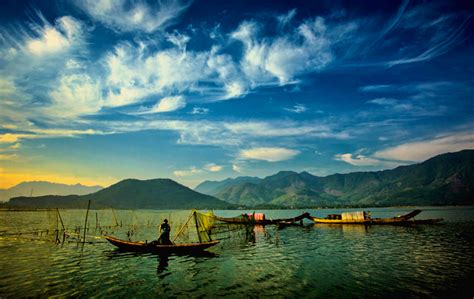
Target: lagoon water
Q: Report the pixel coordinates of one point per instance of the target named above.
(309, 261)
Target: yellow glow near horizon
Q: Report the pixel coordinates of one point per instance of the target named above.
(8, 180)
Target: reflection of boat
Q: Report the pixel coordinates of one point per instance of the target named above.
(203, 223)
(251, 219)
(151, 247)
(364, 218)
(285, 224)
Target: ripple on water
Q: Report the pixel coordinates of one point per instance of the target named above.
(315, 260)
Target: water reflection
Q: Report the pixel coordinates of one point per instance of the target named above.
(310, 261)
(162, 263)
(250, 233)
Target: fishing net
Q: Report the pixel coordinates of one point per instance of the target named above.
(88, 227)
(204, 225)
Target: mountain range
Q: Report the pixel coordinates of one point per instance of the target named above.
(442, 180)
(446, 179)
(39, 188)
(129, 194)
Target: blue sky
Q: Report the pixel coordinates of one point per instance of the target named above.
(94, 92)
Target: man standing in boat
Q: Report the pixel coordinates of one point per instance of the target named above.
(165, 229)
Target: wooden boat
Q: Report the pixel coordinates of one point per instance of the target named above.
(246, 219)
(202, 234)
(400, 220)
(151, 247)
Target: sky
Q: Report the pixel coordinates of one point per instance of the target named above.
(96, 91)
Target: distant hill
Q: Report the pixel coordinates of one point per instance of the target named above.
(130, 194)
(39, 188)
(443, 180)
(214, 187)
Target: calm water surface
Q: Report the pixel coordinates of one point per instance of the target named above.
(309, 261)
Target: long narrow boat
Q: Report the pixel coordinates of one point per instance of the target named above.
(245, 219)
(400, 220)
(202, 234)
(150, 247)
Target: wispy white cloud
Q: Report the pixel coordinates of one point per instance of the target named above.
(40, 41)
(227, 133)
(270, 154)
(138, 70)
(35, 133)
(133, 74)
(237, 168)
(38, 87)
(53, 39)
(199, 110)
(394, 104)
(418, 32)
(440, 35)
(392, 23)
(178, 39)
(76, 94)
(235, 90)
(298, 108)
(166, 104)
(358, 160)
(282, 58)
(425, 149)
(184, 173)
(212, 167)
(123, 15)
(416, 100)
(375, 88)
(283, 20)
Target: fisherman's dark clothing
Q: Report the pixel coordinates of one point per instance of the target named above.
(164, 238)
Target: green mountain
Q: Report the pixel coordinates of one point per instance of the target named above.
(443, 180)
(129, 194)
(213, 187)
(38, 188)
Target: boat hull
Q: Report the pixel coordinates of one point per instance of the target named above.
(406, 219)
(148, 247)
(241, 220)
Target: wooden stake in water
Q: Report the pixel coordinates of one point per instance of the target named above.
(85, 222)
(60, 219)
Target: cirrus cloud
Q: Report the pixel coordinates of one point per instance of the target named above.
(358, 160)
(184, 173)
(270, 154)
(212, 167)
(123, 15)
(166, 104)
(237, 168)
(53, 39)
(425, 149)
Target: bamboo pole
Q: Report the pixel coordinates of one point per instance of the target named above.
(182, 228)
(60, 218)
(85, 222)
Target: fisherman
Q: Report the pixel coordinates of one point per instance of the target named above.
(165, 229)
